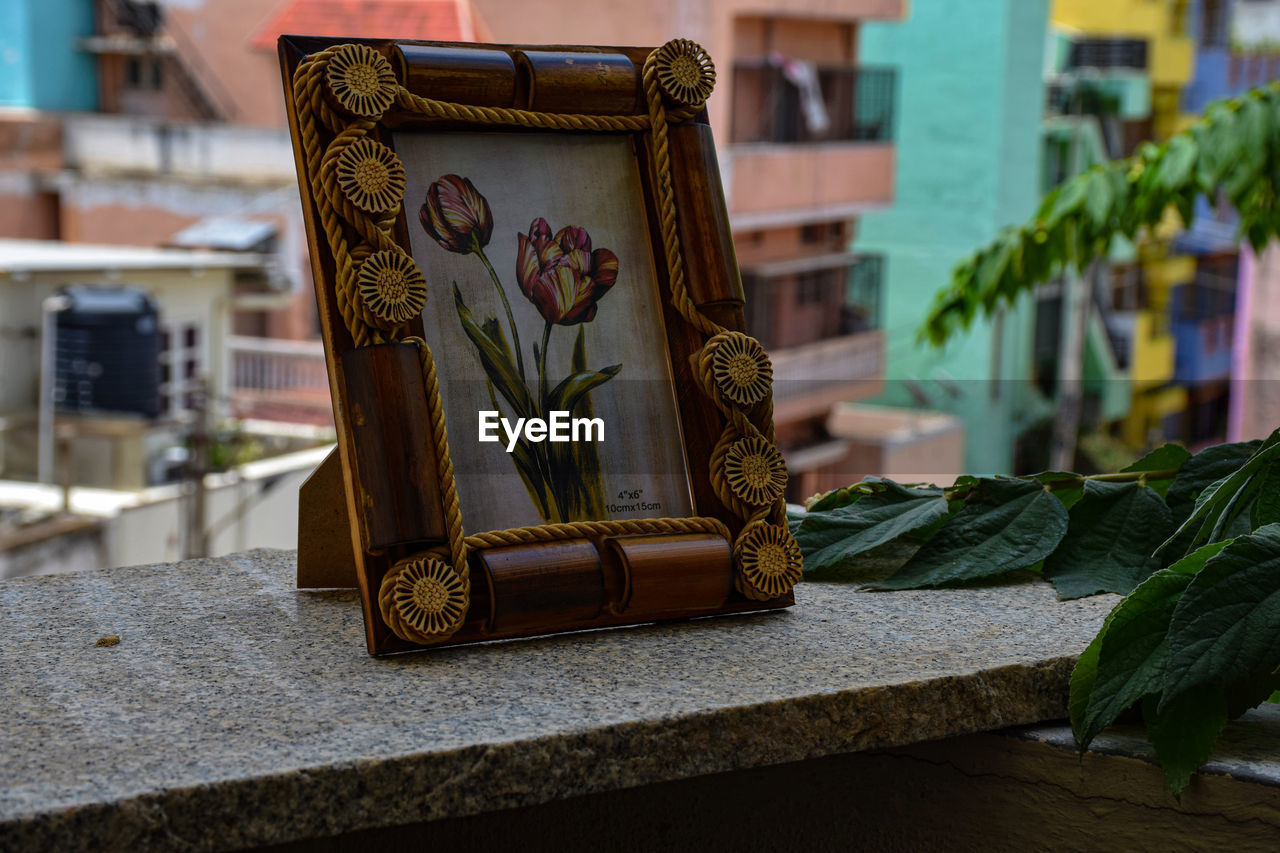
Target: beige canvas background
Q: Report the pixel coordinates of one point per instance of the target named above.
(591, 182)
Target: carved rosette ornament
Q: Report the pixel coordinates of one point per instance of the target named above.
(755, 471)
(391, 287)
(361, 80)
(424, 600)
(685, 72)
(769, 561)
(741, 368)
(371, 176)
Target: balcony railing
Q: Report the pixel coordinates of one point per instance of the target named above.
(279, 380)
(856, 103)
(1108, 53)
(806, 300)
(272, 365)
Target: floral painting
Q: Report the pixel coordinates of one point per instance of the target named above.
(544, 300)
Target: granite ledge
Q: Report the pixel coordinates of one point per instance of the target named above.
(237, 711)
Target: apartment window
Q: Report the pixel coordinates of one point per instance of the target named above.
(182, 362)
(1213, 23)
(143, 72)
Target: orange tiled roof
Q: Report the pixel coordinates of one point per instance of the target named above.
(436, 20)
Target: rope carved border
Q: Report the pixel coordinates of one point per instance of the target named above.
(358, 184)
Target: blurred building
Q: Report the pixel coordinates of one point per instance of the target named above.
(1170, 305)
(1236, 305)
(162, 124)
(1116, 77)
(116, 358)
(968, 161)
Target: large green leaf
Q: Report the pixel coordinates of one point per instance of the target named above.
(1184, 731)
(1250, 693)
(1178, 162)
(835, 498)
(1083, 676)
(1227, 625)
(1063, 201)
(1205, 468)
(1005, 525)
(1129, 661)
(497, 361)
(1220, 503)
(1110, 537)
(1168, 457)
(1266, 505)
(830, 540)
(1098, 197)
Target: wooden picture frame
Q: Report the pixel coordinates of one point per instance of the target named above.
(384, 514)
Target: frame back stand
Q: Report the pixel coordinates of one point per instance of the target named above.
(326, 556)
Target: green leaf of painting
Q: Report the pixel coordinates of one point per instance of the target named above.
(1110, 536)
(1227, 626)
(567, 394)
(830, 540)
(1005, 525)
(526, 463)
(1068, 495)
(1169, 457)
(497, 361)
(1184, 731)
(1205, 468)
(1129, 661)
(587, 485)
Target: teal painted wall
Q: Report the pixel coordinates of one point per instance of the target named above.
(971, 96)
(41, 66)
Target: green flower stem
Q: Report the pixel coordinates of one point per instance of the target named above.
(559, 494)
(515, 331)
(542, 366)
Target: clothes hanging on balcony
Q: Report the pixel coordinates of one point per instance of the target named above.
(804, 76)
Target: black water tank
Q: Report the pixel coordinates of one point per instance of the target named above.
(106, 352)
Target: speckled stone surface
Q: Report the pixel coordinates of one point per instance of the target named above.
(238, 711)
(1248, 749)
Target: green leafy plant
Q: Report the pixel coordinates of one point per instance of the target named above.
(1192, 542)
(1234, 147)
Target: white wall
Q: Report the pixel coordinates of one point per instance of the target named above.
(257, 509)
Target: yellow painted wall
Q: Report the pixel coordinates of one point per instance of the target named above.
(1148, 410)
(1162, 23)
(1152, 363)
